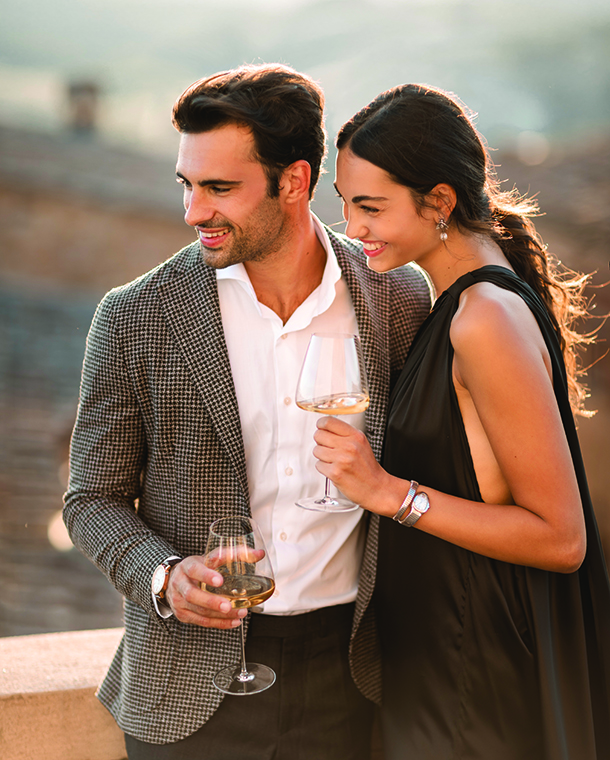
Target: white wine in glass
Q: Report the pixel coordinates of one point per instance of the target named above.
(332, 381)
(237, 551)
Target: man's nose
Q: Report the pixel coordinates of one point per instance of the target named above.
(197, 209)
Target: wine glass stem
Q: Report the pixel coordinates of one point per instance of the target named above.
(244, 675)
(327, 496)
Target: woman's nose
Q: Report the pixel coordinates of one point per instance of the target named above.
(353, 227)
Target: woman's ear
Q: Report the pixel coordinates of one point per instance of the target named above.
(443, 197)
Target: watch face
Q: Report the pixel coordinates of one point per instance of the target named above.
(421, 503)
(158, 579)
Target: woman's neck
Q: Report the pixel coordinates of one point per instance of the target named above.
(461, 254)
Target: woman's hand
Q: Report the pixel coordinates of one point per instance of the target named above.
(345, 457)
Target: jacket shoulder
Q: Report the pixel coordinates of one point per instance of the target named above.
(146, 284)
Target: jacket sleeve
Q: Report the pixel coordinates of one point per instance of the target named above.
(107, 461)
(411, 298)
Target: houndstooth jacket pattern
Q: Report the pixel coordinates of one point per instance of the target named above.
(157, 455)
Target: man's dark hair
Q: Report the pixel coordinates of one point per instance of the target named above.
(283, 109)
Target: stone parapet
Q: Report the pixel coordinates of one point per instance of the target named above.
(48, 709)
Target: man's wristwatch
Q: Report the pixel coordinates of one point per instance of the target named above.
(419, 506)
(160, 577)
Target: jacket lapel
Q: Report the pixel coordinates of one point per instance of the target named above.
(370, 294)
(189, 298)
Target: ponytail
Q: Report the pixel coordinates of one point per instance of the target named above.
(561, 289)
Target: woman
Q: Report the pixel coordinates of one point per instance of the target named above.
(492, 597)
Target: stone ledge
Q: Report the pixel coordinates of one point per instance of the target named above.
(48, 709)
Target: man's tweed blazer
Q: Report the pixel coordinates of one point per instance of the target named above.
(157, 455)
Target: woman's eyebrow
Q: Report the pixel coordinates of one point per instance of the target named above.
(360, 198)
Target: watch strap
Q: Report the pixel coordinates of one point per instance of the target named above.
(411, 518)
(407, 502)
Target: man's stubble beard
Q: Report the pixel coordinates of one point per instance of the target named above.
(260, 240)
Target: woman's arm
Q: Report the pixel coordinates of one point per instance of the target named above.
(501, 365)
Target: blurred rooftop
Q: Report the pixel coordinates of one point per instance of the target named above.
(89, 170)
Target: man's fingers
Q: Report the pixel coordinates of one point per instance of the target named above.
(191, 594)
(197, 606)
(229, 556)
(197, 570)
(190, 599)
(209, 619)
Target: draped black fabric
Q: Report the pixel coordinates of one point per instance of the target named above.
(483, 659)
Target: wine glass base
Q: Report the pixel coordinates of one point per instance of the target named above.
(258, 678)
(327, 504)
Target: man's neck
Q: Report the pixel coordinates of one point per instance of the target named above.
(283, 281)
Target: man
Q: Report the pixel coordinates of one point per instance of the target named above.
(187, 414)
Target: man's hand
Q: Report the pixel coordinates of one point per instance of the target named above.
(192, 604)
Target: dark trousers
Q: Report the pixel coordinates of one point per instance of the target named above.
(312, 712)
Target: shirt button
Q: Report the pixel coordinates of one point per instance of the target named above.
(288, 470)
(284, 336)
(288, 401)
(283, 536)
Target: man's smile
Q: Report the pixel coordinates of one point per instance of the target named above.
(212, 238)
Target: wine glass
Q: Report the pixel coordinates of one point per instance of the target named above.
(332, 381)
(236, 550)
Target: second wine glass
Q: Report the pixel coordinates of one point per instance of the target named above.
(332, 381)
(237, 551)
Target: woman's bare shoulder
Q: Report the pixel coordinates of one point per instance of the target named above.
(491, 315)
(494, 334)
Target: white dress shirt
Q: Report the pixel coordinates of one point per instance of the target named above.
(316, 556)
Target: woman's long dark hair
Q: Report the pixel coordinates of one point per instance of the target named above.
(422, 137)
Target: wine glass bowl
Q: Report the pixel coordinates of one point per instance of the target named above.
(236, 550)
(332, 381)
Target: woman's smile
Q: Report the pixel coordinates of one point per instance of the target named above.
(373, 247)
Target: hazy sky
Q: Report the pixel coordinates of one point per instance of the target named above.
(524, 65)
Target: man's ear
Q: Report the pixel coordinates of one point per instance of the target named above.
(443, 197)
(294, 182)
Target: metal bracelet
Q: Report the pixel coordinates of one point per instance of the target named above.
(407, 502)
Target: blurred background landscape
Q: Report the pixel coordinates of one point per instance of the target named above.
(88, 199)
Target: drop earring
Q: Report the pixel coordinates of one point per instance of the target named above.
(442, 226)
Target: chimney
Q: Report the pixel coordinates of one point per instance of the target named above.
(82, 104)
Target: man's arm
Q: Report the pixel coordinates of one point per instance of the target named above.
(107, 461)
(411, 299)
(107, 457)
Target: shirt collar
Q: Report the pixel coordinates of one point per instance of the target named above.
(319, 300)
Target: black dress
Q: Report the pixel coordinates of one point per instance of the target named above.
(483, 660)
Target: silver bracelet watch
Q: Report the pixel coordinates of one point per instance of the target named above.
(419, 506)
(413, 486)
